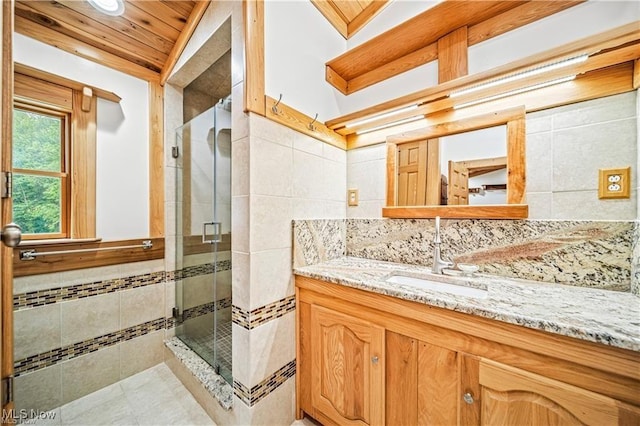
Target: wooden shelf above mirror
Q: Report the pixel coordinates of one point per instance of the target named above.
(415, 42)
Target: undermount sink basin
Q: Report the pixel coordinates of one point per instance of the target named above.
(460, 290)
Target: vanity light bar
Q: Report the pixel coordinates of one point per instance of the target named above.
(521, 75)
(380, 116)
(393, 123)
(515, 92)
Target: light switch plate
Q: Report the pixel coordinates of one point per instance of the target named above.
(614, 183)
(352, 197)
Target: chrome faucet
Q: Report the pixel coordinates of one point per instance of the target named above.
(438, 263)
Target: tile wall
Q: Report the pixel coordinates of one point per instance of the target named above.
(78, 331)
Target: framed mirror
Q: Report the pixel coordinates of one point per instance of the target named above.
(468, 168)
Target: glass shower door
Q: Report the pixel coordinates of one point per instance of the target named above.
(203, 224)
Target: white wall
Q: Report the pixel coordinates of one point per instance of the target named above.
(299, 41)
(122, 199)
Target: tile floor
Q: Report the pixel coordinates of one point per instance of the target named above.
(153, 397)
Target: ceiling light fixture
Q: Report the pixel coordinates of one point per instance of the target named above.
(521, 75)
(381, 116)
(393, 123)
(515, 92)
(108, 7)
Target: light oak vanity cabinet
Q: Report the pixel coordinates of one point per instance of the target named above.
(368, 359)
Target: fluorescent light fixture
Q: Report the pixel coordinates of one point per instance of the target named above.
(393, 123)
(381, 116)
(521, 75)
(108, 7)
(515, 92)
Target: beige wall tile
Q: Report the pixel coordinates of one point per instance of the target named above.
(141, 353)
(83, 276)
(240, 223)
(90, 317)
(169, 298)
(271, 131)
(141, 268)
(39, 390)
(271, 278)
(277, 408)
(366, 209)
(539, 162)
(240, 164)
(141, 304)
(579, 152)
(333, 153)
(308, 178)
(596, 111)
(197, 290)
(270, 225)
(36, 330)
(306, 143)
(201, 326)
(369, 178)
(271, 168)
(540, 205)
(585, 205)
(198, 259)
(334, 181)
(223, 284)
(241, 354)
(367, 153)
(239, 120)
(36, 283)
(273, 345)
(241, 280)
(88, 373)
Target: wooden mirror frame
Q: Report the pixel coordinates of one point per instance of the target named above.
(514, 119)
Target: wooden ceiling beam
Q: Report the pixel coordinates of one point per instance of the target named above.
(75, 47)
(190, 26)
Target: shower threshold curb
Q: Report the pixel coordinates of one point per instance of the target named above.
(206, 375)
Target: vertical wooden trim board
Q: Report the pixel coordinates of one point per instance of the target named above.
(516, 161)
(453, 55)
(6, 269)
(83, 168)
(156, 160)
(254, 56)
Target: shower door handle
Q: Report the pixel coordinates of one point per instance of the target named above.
(217, 226)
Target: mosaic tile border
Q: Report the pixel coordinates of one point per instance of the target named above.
(197, 270)
(252, 396)
(33, 299)
(206, 308)
(54, 356)
(264, 314)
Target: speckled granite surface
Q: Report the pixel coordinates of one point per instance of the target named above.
(212, 382)
(580, 253)
(318, 240)
(610, 318)
(635, 261)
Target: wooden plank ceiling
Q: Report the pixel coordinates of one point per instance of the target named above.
(348, 16)
(142, 41)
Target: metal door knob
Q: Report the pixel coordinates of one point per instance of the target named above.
(468, 398)
(11, 235)
(374, 359)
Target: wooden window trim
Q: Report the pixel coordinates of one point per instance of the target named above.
(79, 157)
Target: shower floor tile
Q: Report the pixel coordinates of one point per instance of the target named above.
(152, 397)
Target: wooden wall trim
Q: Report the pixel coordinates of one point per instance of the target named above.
(296, 120)
(612, 43)
(69, 262)
(6, 279)
(453, 58)
(83, 168)
(185, 35)
(594, 84)
(156, 160)
(254, 85)
(503, 211)
(65, 82)
(347, 27)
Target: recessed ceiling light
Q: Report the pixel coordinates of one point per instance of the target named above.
(108, 7)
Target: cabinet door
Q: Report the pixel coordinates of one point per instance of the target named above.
(514, 396)
(348, 368)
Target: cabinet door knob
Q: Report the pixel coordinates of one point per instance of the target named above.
(374, 359)
(468, 398)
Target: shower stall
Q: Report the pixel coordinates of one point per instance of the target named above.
(203, 236)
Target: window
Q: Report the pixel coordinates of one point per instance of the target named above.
(40, 171)
(54, 130)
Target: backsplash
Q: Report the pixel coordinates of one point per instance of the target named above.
(635, 261)
(593, 254)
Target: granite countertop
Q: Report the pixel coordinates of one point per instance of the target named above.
(607, 317)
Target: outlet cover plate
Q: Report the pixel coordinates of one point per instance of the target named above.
(614, 183)
(352, 197)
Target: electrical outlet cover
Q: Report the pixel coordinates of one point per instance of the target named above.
(614, 183)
